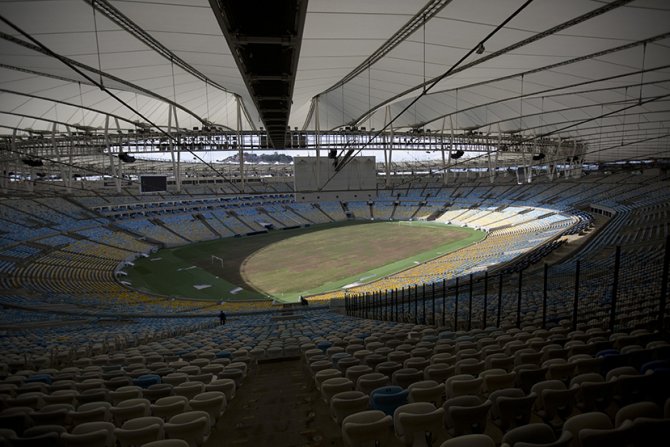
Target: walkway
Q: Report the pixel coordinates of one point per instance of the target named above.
(276, 406)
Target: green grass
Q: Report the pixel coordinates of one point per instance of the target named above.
(285, 264)
(167, 276)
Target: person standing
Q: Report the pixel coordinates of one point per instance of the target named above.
(222, 318)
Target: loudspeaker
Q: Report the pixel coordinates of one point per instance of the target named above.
(34, 162)
(458, 154)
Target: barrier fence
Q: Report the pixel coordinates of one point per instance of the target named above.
(620, 290)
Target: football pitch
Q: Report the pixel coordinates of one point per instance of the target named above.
(285, 264)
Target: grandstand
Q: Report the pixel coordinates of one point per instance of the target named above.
(156, 139)
(61, 284)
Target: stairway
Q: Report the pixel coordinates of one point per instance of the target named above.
(276, 406)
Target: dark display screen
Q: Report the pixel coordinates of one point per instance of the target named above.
(153, 183)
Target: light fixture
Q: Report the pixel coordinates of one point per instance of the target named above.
(124, 157)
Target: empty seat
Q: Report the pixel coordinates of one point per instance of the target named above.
(593, 393)
(139, 431)
(130, 409)
(554, 400)
(419, 424)
(371, 381)
(97, 438)
(166, 407)
(56, 414)
(398, 356)
(374, 359)
(117, 382)
(335, 385)
(559, 369)
(226, 386)
(388, 368)
(442, 357)
(354, 372)
(418, 363)
(213, 403)
(406, 376)
(535, 434)
(649, 431)
(324, 375)
(365, 428)
(319, 365)
(511, 408)
(156, 391)
(496, 379)
(167, 443)
(34, 400)
(474, 440)
(528, 375)
(83, 433)
(388, 398)
(189, 389)
(466, 415)
(527, 356)
(470, 366)
(438, 372)
(93, 395)
(43, 429)
(585, 363)
(125, 393)
(90, 384)
(499, 360)
(346, 362)
(426, 391)
(346, 403)
(463, 384)
(191, 426)
(51, 439)
(639, 409)
(175, 379)
(63, 396)
(636, 387)
(91, 412)
(612, 437)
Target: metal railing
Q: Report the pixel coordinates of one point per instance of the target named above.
(621, 290)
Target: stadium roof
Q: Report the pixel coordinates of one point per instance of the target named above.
(597, 71)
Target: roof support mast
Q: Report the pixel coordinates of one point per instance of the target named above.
(444, 161)
(176, 163)
(498, 148)
(388, 154)
(317, 129)
(65, 173)
(114, 172)
(239, 141)
(552, 165)
(451, 147)
(492, 167)
(6, 168)
(4, 179)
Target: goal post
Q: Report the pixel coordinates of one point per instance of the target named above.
(215, 259)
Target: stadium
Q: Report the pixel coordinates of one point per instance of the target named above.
(421, 223)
